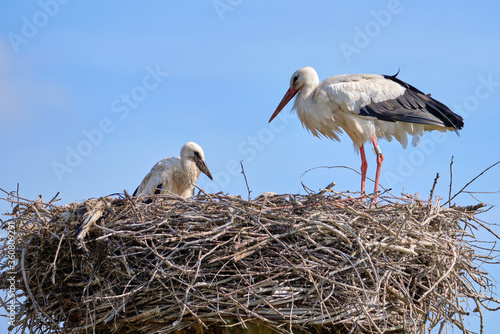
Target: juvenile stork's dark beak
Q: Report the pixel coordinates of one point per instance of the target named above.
(202, 166)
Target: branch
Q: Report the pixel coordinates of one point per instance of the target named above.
(474, 179)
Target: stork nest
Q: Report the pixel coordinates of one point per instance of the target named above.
(318, 263)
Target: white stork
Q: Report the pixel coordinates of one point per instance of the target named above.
(366, 107)
(176, 175)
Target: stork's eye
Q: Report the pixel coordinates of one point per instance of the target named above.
(295, 79)
(197, 155)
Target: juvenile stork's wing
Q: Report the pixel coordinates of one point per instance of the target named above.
(412, 106)
(158, 189)
(152, 184)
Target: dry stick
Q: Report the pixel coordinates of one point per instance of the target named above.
(396, 236)
(306, 188)
(315, 260)
(248, 311)
(35, 303)
(291, 315)
(322, 301)
(470, 193)
(482, 192)
(54, 264)
(442, 277)
(350, 168)
(451, 182)
(433, 187)
(486, 228)
(55, 199)
(245, 176)
(474, 179)
(478, 309)
(252, 286)
(21, 198)
(203, 191)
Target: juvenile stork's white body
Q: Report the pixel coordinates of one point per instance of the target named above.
(176, 174)
(366, 107)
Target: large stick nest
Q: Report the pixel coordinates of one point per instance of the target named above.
(315, 263)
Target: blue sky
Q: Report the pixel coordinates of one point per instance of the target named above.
(93, 93)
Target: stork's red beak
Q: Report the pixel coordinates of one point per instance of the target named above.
(290, 93)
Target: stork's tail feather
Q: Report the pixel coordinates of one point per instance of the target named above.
(433, 106)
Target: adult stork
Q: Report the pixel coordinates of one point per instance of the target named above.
(176, 174)
(366, 107)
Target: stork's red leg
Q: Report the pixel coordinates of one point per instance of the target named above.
(364, 167)
(380, 160)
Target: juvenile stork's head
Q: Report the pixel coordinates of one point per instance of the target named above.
(193, 152)
(304, 77)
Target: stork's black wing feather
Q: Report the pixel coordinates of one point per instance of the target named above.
(158, 189)
(414, 107)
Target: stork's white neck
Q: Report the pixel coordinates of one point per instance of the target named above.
(190, 170)
(306, 80)
(304, 101)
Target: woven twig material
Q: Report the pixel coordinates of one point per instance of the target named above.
(311, 263)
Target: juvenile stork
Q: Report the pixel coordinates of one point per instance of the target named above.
(176, 175)
(366, 107)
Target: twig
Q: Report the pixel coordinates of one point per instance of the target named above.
(482, 192)
(306, 188)
(345, 167)
(224, 261)
(442, 277)
(33, 300)
(203, 191)
(433, 187)
(246, 181)
(451, 182)
(474, 179)
(23, 199)
(54, 263)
